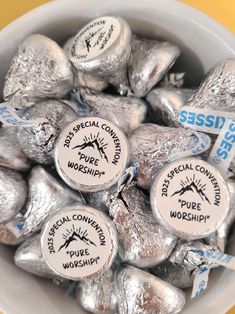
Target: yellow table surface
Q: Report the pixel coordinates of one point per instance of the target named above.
(221, 10)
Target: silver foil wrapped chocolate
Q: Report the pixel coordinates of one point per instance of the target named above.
(150, 61)
(143, 242)
(142, 293)
(175, 274)
(98, 295)
(39, 70)
(38, 141)
(165, 104)
(217, 90)
(79, 242)
(13, 193)
(29, 257)
(84, 79)
(153, 146)
(125, 112)
(103, 47)
(11, 154)
(187, 254)
(219, 238)
(46, 195)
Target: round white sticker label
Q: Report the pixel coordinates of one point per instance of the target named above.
(190, 197)
(79, 242)
(95, 38)
(91, 154)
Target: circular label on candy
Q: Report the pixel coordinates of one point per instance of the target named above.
(95, 38)
(79, 242)
(190, 198)
(91, 154)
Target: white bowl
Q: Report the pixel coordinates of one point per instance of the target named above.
(203, 43)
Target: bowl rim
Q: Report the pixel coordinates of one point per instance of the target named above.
(190, 13)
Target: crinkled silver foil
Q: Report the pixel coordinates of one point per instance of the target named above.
(165, 104)
(218, 88)
(187, 254)
(175, 274)
(150, 61)
(81, 79)
(100, 199)
(98, 295)
(38, 142)
(11, 154)
(13, 193)
(30, 258)
(219, 238)
(142, 293)
(143, 242)
(46, 195)
(39, 70)
(153, 146)
(111, 65)
(127, 113)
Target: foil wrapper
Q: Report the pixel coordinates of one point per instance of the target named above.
(153, 146)
(39, 70)
(219, 238)
(29, 257)
(7, 235)
(98, 295)
(13, 193)
(143, 242)
(38, 142)
(110, 65)
(82, 79)
(46, 196)
(150, 61)
(11, 154)
(186, 254)
(175, 274)
(218, 88)
(125, 112)
(100, 199)
(165, 104)
(142, 293)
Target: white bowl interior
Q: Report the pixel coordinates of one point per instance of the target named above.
(203, 43)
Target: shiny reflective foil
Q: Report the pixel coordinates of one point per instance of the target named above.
(174, 273)
(125, 112)
(165, 104)
(39, 70)
(150, 61)
(102, 48)
(153, 146)
(187, 254)
(98, 295)
(29, 257)
(11, 154)
(218, 88)
(142, 293)
(219, 238)
(38, 142)
(46, 195)
(13, 193)
(84, 79)
(143, 242)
